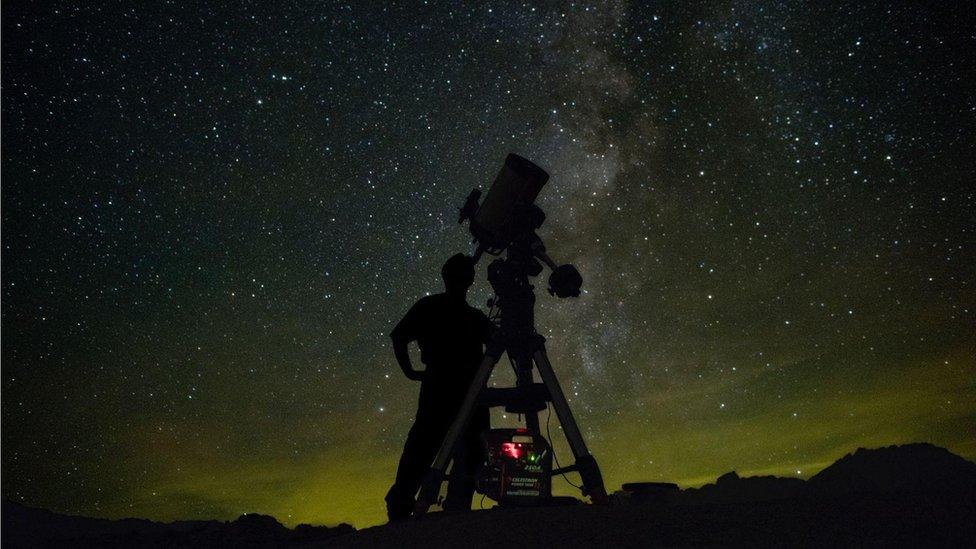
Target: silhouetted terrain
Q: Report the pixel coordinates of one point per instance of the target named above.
(892, 470)
(912, 467)
(912, 495)
(29, 527)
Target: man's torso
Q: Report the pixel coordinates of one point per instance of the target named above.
(450, 334)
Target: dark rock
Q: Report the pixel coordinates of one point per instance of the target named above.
(730, 477)
(916, 467)
(731, 488)
(659, 493)
(646, 487)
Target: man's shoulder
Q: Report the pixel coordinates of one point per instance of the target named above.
(444, 301)
(433, 304)
(432, 301)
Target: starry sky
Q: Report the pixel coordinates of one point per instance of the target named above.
(212, 216)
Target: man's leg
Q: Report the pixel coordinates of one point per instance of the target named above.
(418, 453)
(469, 458)
(423, 442)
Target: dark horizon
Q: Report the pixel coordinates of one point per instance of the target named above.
(213, 217)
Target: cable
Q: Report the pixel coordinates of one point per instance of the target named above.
(553, 448)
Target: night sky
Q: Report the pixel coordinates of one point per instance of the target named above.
(213, 216)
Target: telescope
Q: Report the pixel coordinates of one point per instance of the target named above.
(508, 218)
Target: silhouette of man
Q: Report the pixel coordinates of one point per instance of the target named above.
(450, 334)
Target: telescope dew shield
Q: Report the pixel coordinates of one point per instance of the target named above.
(516, 186)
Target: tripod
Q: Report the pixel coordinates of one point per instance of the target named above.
(516, 335)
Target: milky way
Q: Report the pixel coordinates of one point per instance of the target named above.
(213, 216)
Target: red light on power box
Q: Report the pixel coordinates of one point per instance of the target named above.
(512, 449)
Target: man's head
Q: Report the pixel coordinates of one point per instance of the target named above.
(458, 274)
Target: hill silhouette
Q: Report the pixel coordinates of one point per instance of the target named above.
(918, 467)
(910, 468)
(916, 494)
(731, 488)
(30, 527)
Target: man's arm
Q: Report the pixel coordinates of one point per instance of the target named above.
(400, 344)
(407, 330)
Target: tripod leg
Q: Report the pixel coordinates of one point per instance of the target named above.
(432, 482)
(588, 469)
